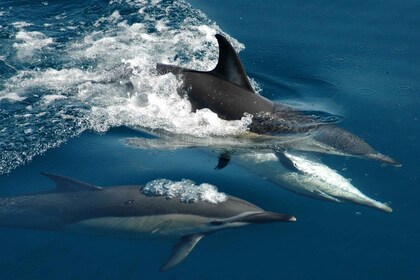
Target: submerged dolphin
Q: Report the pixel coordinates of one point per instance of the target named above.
(226, 90)
(306, 177)
(293, 172)
(129, 211)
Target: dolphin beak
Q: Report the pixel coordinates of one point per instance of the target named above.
(267, 217)
(384, 159)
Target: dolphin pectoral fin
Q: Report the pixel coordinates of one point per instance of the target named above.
(222, 163)
(224, 159)
(325, 196)
(66, 184)
(287, 162)
(181, 250)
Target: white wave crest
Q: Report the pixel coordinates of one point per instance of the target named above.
(30, 41)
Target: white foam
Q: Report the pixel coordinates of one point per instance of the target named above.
(154, 102)
(114, 17)
(107, 77)
(56, 80)
(186, 190)
(21, 24)
(30, 41)
(52, 97)
(28, 131)
(12, 97)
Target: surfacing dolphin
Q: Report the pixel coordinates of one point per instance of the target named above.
(130, 211)
(227, 91)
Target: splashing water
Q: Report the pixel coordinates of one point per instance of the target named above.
(64, 76)
(186, 190)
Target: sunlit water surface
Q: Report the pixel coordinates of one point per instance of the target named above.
(76, 77)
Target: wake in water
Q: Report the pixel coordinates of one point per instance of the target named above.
(71, 72)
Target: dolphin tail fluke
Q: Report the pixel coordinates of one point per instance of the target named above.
(384, 159)
(181, 250)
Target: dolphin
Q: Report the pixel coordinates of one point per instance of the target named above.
(288, 170)
(129, 211)
(306, 177)
(227, 91)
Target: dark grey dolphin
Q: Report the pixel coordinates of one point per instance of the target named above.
(126, 211)
(226, 90)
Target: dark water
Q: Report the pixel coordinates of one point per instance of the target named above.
(64, 105)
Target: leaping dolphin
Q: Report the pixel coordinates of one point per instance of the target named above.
(227, 91)
(129, 211)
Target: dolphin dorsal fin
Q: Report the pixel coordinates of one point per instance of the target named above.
(229, 66)
(181, 250)
(66, 184)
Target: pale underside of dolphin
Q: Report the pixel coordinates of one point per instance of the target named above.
(307, 177)
(226, 90)
(125, 211)
(287, 170)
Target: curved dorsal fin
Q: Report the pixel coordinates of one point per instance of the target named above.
(66, 184)
(229, 66)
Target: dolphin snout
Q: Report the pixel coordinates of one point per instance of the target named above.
(384, 159)
(267, 217)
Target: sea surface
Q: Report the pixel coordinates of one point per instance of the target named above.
(77, 78)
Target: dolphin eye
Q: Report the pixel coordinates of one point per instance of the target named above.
(129, 202)
(216, 223)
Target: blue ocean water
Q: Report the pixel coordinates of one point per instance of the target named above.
(77, 76)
